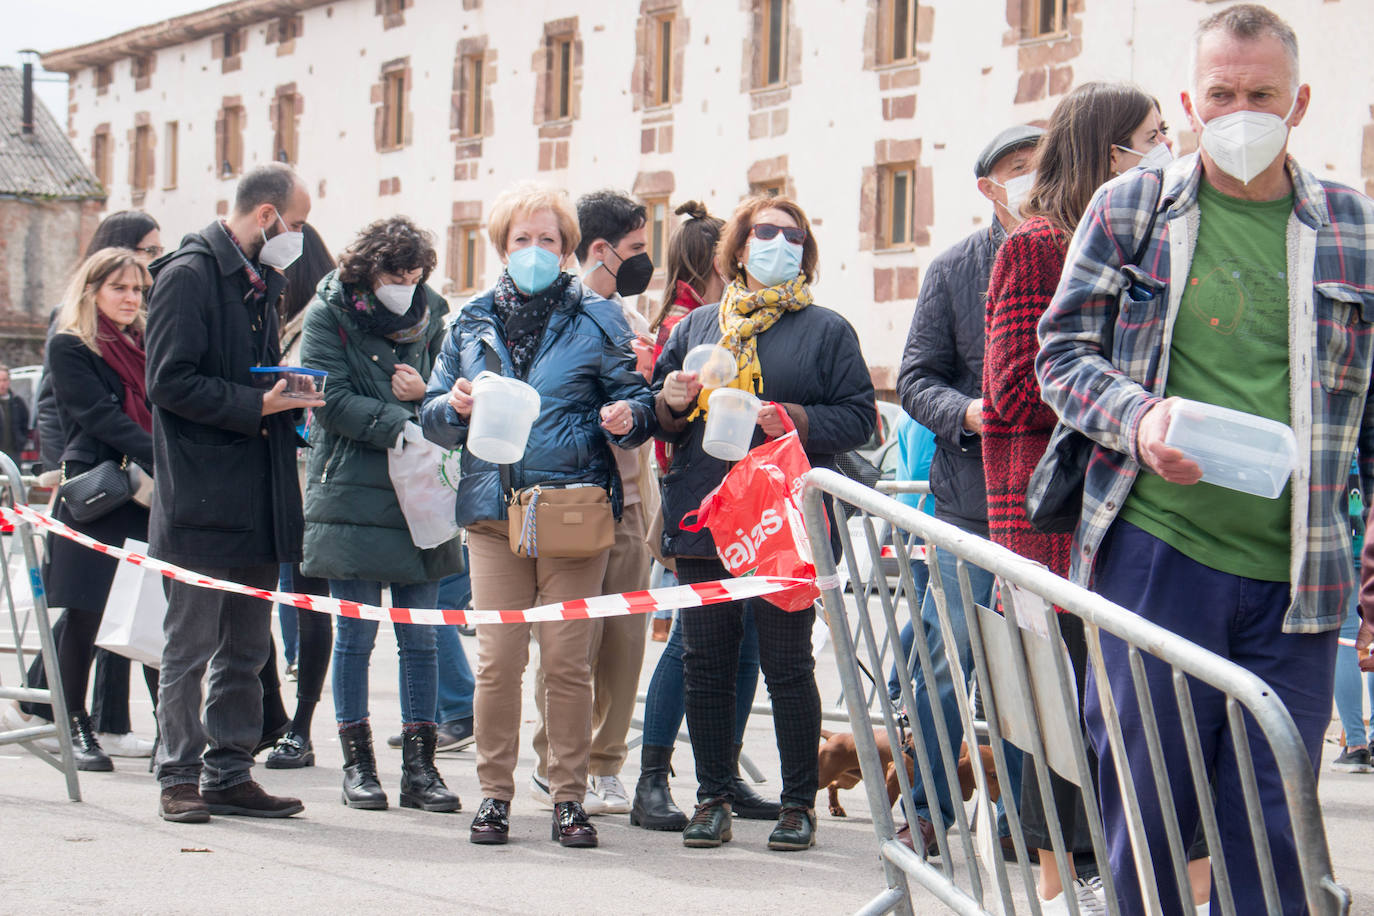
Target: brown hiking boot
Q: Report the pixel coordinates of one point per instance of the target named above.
(182, 804)
(249, 800)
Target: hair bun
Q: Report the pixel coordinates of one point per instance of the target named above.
(693, 210)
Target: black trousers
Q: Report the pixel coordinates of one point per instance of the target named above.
(74, 635)
(712, 637)
(316, 636)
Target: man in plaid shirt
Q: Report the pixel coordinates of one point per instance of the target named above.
(1256, 292)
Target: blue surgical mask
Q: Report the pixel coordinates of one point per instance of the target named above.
(533, 269)
(775, 261)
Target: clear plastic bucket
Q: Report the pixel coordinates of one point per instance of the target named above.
(731, 417)
(713, 365)
(503, 411)
(1236, 450)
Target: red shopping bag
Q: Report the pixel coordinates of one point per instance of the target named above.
(756, 522)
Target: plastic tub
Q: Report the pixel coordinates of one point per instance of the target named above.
(731, 417)
(503, 411)
(1236, 450)
(306, 384)
(713, 365)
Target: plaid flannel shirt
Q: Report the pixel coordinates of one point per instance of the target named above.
(1330, 241)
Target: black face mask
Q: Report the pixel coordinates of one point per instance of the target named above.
(634, 274)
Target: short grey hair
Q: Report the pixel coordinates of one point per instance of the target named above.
(272, 183)
(1248, 22)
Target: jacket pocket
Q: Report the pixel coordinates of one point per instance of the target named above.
(1345, 337)
(1141, 307)
(217, 486)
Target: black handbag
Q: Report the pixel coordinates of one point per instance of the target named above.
(1054, 493)
(97, 492)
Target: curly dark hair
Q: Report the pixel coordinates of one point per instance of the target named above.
(393, 245)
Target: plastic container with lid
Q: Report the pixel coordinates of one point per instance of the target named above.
(306, 384)
(713, 365)
(503, 412)
(730, 422)
(1236, 450)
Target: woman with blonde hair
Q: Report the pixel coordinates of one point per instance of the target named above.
(97, 364)
(540, 325)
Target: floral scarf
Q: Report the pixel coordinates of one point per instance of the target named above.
(523, 318)
(744, 315)
(372, 317)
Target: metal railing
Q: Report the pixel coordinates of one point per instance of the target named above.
(1027, 683)
(26, 538)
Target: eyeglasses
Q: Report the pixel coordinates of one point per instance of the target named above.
(766, 231)
(152, 251)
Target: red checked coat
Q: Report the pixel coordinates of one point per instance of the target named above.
(1016, 422)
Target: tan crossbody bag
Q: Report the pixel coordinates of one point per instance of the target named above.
(551, 521)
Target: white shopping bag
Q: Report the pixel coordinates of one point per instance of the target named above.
(420, 474)
(132, 623)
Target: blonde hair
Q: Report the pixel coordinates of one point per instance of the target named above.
(79, 314)
(530, 197)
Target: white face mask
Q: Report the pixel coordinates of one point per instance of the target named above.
(395, 297)
(1245, 143)
(1158, 156)
(1018, 189)
(282, 249)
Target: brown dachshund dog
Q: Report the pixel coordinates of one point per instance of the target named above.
(839, 767)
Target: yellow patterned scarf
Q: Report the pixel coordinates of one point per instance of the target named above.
(743, 316)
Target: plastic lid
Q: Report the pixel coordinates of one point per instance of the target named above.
(294, 370)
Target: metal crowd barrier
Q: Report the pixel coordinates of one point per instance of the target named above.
(1028, 691)
(25, 536)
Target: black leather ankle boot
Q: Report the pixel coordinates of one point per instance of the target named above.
(360, 786)
(89, 755)
(421, 785)
(749, 804)
(653, 807)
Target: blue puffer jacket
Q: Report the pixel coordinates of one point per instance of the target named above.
(584, 362)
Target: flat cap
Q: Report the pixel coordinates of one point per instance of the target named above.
(1009, 140)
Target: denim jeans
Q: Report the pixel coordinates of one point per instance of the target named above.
(920, 575)
(456, 683)
(663, 702)
(286, 621)
(1351, 682)
(353, 641)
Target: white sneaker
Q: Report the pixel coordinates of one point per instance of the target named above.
(1092, 898)
(125, 745)
(610, 792)
(539, 791)
(12, 718)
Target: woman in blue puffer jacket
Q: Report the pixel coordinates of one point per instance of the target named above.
(540, 325)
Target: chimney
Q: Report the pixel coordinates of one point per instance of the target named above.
(28, 99)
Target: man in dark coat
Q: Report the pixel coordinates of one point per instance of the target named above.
(941, 386)
(14, 418)
(227, 503)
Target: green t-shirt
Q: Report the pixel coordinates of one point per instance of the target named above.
(1230, 348)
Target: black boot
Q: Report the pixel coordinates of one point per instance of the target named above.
(360, 786)
(653, 807)
(421, 785)
(89, 756)
(749, 804)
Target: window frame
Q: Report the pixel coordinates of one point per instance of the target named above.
(772, 187)
(100, 156)
(662, 69)
(285, 137)
(887, 32)
(474, 86)
(1032, 14)
(231, 43)
(288, 28)
(229, 149)
(887, 210)
(467, 242)
(104, 76)
(660, 221)
(763, 76)
(559, 105)
(142, 153)
(170, 142)
(393, 109)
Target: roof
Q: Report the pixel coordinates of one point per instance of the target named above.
(43, 163)
(175, 31)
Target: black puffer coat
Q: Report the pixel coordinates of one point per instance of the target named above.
(942, 371)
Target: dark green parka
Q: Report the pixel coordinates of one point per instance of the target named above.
(354, 528)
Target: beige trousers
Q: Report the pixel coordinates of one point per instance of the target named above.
(616, 654)
(503, 581)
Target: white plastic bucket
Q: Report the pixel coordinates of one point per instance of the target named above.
(731, 417)
(503, 411)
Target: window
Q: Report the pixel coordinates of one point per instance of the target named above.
(393, 109)
(465, 256)
(100, 156)
(103, 79)
(661, 77)
(897, 31)
(229, 152)
(898, 189)
(393, 7)
(560, 81)
(771, 188)
(1044, 17)
(284, 139)
(288, 28)
(473, 72)
(231, 43)
(660, 228)
(142, 177)
(773, 43)
(169, 155)
(142, 70)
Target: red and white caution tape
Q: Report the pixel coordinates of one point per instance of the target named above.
(641, 602)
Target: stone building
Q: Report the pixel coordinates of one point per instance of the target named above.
(870, 112)
(50, 204)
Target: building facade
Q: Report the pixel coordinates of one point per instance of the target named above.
(869, 112)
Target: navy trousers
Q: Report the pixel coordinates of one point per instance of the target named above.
(1237, 618)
